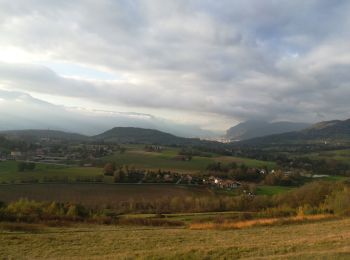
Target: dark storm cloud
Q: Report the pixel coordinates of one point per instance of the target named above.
(277, 60)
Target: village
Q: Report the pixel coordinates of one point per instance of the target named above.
(95, 155)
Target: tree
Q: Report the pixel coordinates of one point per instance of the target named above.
(23, 166)
(109, 169)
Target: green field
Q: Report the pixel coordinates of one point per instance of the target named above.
(137, 157)
(328, 239)
(10, 174)
(337, 155)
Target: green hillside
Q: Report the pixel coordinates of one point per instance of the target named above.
(143, 136)
(36, 134)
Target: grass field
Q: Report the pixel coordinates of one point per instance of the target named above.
(327, 239)
(137, 157)
(96, 194)
(10, 174)
(190, 217)
(337, 155)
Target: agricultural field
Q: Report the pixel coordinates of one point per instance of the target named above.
(326, 239)
(95, 195)
(10, 174)
(337, 155)
(166, 160)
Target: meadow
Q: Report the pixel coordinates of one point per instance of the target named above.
(337, 155)
(326, 239)
(165, 160)
(10, 174)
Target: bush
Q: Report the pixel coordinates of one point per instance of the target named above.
(277, 212)
(25, 166)
(339, 202)
(31, 211)
(109, 169)
(313, 194)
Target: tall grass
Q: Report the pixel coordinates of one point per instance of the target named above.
(258, 222)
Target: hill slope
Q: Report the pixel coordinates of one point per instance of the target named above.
(115, 135)
(143, 136)
(254, 128)
(328, 131)
(35, 134)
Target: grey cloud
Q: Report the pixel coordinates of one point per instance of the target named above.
(277, 60)
(30, 113)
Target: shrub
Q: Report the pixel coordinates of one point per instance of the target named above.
(109, 169)
(25, 166)
(277, 212)
(339, 202)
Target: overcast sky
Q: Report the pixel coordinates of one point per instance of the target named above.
(198, 64)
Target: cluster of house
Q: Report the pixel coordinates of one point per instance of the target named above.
(14, 155)
(154, 148)
(60, 154)
(141, 176)
(222, 183)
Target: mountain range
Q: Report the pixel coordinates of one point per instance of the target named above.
(328, 131)
(323, 132)
(116, 135)
(256, 128)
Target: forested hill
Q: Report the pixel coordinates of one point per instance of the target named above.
(324, 132)
(36, 134)
(254, 128)
(144, 136)
(115, 135)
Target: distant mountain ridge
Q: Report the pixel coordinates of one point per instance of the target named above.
(323, 132)
(256, 128)
(116, 134)
(34, 134)
(142, 135)
(327, 131)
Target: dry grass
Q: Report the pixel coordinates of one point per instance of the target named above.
(20, 227)
(328, 239)
(155, 222)
(257, 222)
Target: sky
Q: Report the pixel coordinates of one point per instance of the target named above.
(190, 67)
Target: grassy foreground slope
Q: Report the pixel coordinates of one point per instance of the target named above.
(321, 240)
